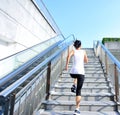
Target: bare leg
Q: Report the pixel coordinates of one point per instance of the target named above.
(78, 99)
(75, 81)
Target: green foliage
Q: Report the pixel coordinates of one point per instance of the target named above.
(110, 40)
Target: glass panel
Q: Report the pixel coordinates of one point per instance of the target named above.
(13, 62)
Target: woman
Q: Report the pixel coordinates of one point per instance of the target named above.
(77, 71)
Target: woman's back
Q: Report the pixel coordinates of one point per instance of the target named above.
(78, 62)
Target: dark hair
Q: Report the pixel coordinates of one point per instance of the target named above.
(77, 44)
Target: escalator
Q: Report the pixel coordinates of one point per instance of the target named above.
(25, 69)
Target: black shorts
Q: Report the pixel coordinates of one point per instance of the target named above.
(80, 81)
(75, 75)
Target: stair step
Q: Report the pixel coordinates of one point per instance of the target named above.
(93, 72)
(86, 83)
(87, 79)
(88, 65)
(84, 87)
(85, 96)
(93, 69)
(84, 105)
(48, 112)
(92, 75)
(67, 88)
(87, 72)
(91, 63)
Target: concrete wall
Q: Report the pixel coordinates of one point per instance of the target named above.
(113, 45)
(21, 26)
(114, 48)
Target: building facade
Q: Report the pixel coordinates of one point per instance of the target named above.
(24, 23)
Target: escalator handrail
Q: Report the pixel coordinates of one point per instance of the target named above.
(6, 78)
(16, 84)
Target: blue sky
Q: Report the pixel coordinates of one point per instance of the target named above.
(88, 20)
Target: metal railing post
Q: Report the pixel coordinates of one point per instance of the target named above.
(61, 63)
(100, 54)
(48, 81)
(12, 103)
(6, 107)
(106, 63)
(116, 82)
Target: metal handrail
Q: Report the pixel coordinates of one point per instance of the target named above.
(25, 65)
(12, 87)
(112, 57)
(31, 83)
(104, 56)
(16, 84)
(18, 59)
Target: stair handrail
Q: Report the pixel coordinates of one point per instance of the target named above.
(111, 56)
(116, 63)
(13, 86)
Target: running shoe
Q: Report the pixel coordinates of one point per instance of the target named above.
(73, 89)
(76, 112)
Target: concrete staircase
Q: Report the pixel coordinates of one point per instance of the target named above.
(97, 95)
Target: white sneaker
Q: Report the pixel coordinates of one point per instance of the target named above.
(76, 112)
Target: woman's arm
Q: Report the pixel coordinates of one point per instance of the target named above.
(68, 58)
(85, 57)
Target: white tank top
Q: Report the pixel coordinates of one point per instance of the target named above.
(78, 62)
